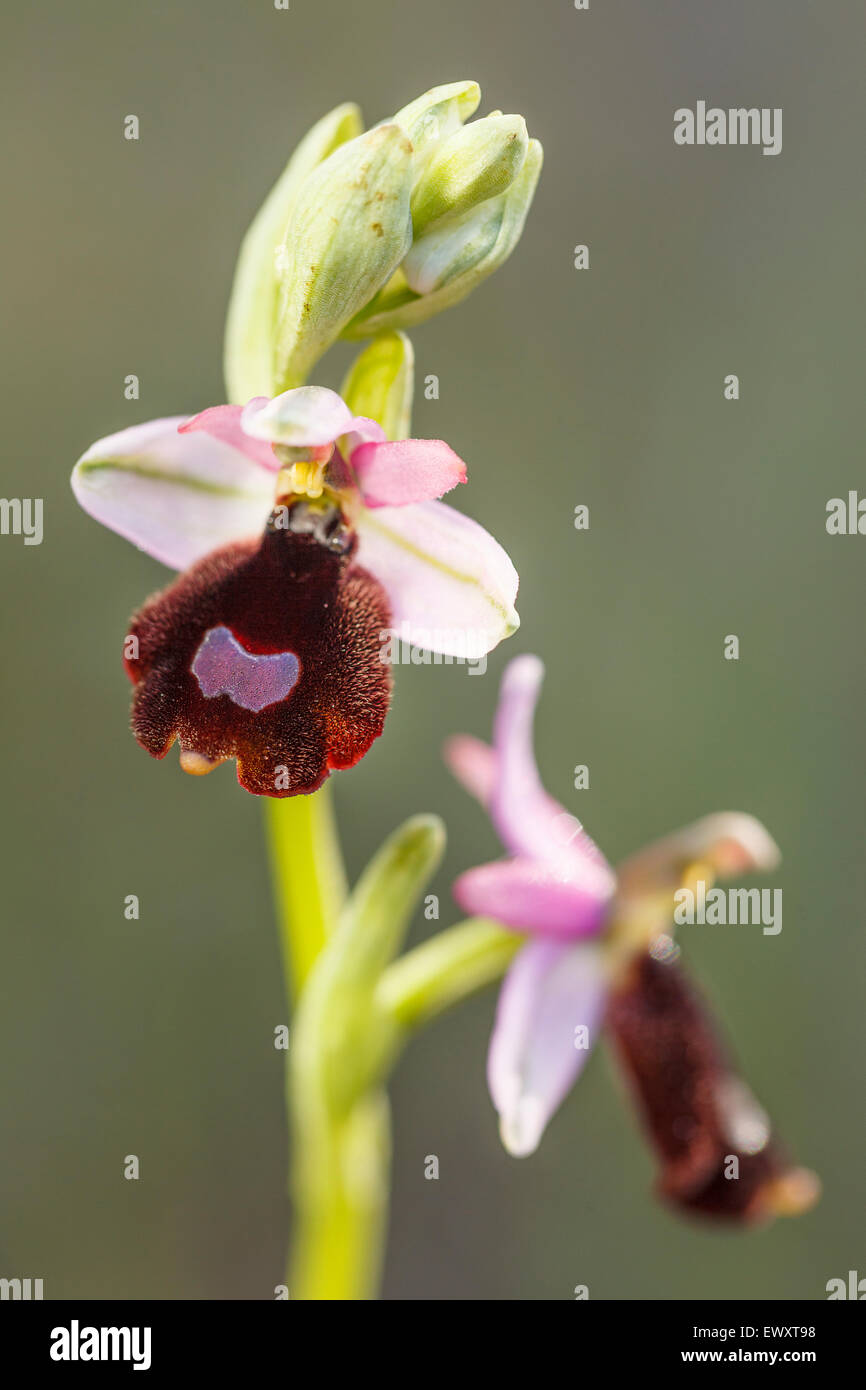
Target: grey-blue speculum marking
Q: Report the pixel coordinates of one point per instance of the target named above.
(253, 681)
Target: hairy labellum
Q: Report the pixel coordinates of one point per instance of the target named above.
(269, 652)
(713, 1141)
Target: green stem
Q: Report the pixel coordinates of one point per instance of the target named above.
(338, 1171)
(340, 1187)
(309, 880)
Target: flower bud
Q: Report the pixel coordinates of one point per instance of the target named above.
(348, 230)
(436, 115)
(331, 252)
(478, 162)
(447, 262)
(380, 384)
(252, 309)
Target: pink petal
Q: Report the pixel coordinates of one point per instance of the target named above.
(473, 763)
(224, 422)
(529, 822)
(341, 475)
(566, 901)
(411, 470)
(730, 843)
(177, 496)
(305, 417)
(537, 1049)
(450, 585)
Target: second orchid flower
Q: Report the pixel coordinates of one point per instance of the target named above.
(598, 955)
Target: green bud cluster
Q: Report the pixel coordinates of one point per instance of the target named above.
(371, 232)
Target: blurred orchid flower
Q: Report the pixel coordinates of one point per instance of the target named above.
(303, 534)
(597, 953)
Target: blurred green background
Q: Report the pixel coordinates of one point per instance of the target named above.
(559, 387)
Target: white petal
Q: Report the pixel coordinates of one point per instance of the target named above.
(451, 586)
(177, 496)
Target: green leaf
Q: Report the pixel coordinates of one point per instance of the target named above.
(344, 1040)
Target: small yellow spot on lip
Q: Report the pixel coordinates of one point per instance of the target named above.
(197, 765)
(793, 1193)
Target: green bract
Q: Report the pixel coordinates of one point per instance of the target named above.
(380, 383)
(348, 230)
(252, 308)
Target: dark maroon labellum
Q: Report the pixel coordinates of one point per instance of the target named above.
(697, 1113)
(267, 651)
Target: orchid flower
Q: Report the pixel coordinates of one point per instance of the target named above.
(303, 535)
(597, 953)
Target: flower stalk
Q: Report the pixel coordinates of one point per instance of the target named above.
(357, 1009)
(444, 970)
(309, 879)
